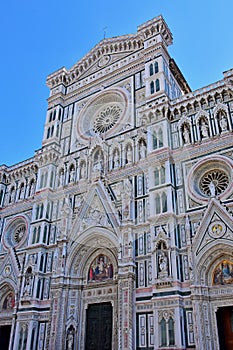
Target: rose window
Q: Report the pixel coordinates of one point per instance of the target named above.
(106, 119)
(106, 114)
(15, 233)
(214, 182)
(210, 177)
(19, 232)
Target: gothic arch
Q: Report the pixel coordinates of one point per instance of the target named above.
(185, 131)
(209, 259)
(221, 111)
(201, 118)
(88, 243)
(7, 289)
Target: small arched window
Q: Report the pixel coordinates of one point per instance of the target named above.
(152, 87)
(50, 116)
(160, 137)
(34, 235)
(157, 85)
(156, 175)
(171, 331)
(151, 69)
(41, 210)
(164, 202)
(52, 130)
(59, 114)
(163, 332)
(157, 204)
(54, 115)
(156, 67)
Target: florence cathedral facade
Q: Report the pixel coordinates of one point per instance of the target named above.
(118, 232)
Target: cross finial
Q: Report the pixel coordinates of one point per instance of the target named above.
(104, 29)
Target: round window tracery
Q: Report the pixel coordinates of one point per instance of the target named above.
(210, 177)
(106, 113)
(214, 182)
(15, 233)
(19, 233)
(106, 119)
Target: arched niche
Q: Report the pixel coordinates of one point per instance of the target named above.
(210, 260)
(90, 244)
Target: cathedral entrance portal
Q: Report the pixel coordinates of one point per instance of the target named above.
(225, 327)
(99, 327)
(5, 332)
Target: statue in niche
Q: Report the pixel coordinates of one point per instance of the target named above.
(83, 170)
(129, 157)
(28, 282)
(116, 160)
(61, 178)
(142, 150)
(98, 162)
(162, 262)
(126, 198)
(70, 339)
(204, 128)
(223, 122)
(72, 173)
(186, 134)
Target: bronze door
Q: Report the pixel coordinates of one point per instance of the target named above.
(5, 332)
(225, 327)
(99, 327)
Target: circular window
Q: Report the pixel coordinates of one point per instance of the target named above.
(104, 114)
(15, 233)
(106, 119)
(214, 182)
(19, 233)
(210, 178)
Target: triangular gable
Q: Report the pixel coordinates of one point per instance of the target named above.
(96, 210)
(9, 269)
(106, 52)
(215, 225)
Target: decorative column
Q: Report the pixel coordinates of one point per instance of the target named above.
(126, 288)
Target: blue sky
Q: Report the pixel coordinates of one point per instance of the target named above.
(39, 37)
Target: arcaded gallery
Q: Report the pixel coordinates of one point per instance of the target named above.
(118, 233)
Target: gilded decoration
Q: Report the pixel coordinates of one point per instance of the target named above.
(223, 273)
(101, 269)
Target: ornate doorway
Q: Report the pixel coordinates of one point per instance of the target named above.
(5, 332)
(99, 327)
(225, 327)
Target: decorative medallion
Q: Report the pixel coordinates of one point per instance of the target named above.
(7, 270)
(104, 61)
(217, 229)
